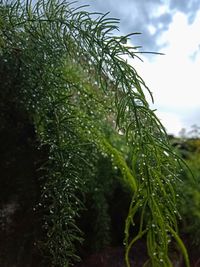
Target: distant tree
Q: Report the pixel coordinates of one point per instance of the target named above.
(195, 131)
(183, 133)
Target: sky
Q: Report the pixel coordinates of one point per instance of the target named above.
(171, 27)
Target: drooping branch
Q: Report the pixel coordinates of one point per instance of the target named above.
(74, 84)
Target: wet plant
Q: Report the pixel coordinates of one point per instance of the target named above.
(87, 102)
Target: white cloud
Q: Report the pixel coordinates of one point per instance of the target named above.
(174, 78)
(151, 29)
(163, 9)
(171, 121)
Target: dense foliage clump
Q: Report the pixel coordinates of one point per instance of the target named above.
(88, 105)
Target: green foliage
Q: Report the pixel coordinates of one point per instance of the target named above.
(85, 101)
(189, 203)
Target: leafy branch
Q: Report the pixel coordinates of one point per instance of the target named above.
(80, 92)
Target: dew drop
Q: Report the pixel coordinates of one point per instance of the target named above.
(121, 131)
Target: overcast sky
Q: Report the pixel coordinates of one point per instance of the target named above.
(171, 27)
